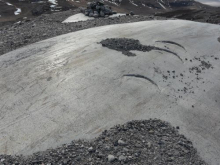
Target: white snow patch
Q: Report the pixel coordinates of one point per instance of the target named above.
(39, 2)
(112, 1)
(54, 3)
(132, 2)
(82, 17)
(9, 4)
(117, 15)
(162, 5)
(18, 11)
(77, 18)
(212, 3)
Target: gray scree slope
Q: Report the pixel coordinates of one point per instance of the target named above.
(70, 87)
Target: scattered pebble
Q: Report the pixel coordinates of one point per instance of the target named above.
(111, 158)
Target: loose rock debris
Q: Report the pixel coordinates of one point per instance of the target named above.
(48, 26)
(97, 9)
(185, 78)
(152, 142)
(126, 45)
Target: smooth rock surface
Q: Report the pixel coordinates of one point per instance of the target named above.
(70, 87)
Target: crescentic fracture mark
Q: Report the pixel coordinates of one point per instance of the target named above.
(171, 42)
(143, 77)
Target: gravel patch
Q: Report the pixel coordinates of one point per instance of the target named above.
(50, 25)
(126, 45)
(151, 142)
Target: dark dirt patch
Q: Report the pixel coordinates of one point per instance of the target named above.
(205, 64)
(149, 142)
(126, 45)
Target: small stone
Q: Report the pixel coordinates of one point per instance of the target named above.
(136, 154)
(2, 160)
(121, 143)
(131, 13)
(125, 149)
(91, 149)
(149, 144)
(169, 154)
(171, 159)
(151, 131)
(111, 158)
(138, 145)
(108, 148)
(122, 158)
(130, 157)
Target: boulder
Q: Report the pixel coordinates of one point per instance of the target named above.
(82, 9)
(97, 9)
(131, 13)
(86, 13)
(40, 9)
(91, 14)
(102, 14)
(96, 14)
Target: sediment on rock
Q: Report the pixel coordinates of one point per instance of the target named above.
(125, 45)
(137, 142)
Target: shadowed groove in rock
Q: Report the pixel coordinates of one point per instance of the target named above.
(143, 77)
(168, 51)
(174, 43)
(218, 39)
(126, 45)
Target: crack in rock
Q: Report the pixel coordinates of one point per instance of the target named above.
(126, 45)
(143, 77)
(168, 51)
(174, 43)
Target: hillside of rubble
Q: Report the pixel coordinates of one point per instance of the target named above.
(12, 11)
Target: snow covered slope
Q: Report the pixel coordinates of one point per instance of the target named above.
(70, 87)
